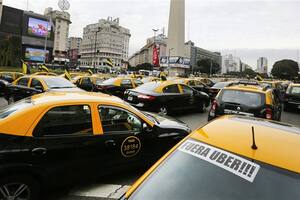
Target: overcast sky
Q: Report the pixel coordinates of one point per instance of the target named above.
(246, 28)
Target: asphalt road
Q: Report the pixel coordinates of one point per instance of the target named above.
(113, 186)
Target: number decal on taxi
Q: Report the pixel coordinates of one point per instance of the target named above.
(130, 146)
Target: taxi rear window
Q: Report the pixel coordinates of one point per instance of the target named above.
(184, 175)
(12, 108)
(246, 98)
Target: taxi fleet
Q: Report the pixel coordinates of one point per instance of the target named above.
(231, 158)
(58, 137)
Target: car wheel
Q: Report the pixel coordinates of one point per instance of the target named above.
(10, 100)
(19, 187)
(202, 107)
(163, 111)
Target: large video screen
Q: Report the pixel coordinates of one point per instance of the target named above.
(37, 27)
(34, 54)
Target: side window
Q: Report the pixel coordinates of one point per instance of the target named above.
(86, 81)
(36, 83)
(65, 120)
(186, 89)
(23, 81)
(199, 84)
(191, 83)
(137, 82)
(118, 120)
(171, 89)
(126, 83)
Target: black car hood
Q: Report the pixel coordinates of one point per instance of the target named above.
(167, 123)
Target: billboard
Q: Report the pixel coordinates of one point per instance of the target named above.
(175, 61)
(38, 27)
(34, 54)
(155, 60)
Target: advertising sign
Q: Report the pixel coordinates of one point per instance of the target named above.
(156, 55)
(175, 61)
(37, 55)
(37, 27)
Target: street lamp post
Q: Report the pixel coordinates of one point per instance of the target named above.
(169, 60)
(95, 48)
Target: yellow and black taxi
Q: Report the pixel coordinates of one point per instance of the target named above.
(89, 82)
(45, 74)
(10, 76)
(246, 98)
(166, 97)
(232, 158)
(292, 97)
(150, 79)
(33, 84)
(206, 81)
(215, 89)
(117, 86)
(195, 83)
(6, 78)
(55, 138)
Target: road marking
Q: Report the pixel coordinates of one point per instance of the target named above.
(109, 191)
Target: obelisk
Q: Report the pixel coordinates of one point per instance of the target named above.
(176, 28)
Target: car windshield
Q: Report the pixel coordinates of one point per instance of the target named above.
(58, 82)
(12, 108)
(148, 86)
(295, 90)
(110, 81)
(250, 99)
(220, 85)
(184, 175)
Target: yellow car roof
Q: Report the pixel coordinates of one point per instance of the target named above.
(277, 143)
(295, 84)
(73, 97)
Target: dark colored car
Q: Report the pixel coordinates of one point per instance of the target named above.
(248, 100)
(117, 86)
(214, 90)
(26, 86)
(195, 84)
(56, 138)
(292, 98)
(166, 97)
(89, 82)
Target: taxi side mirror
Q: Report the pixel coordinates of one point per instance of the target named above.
(146, 128)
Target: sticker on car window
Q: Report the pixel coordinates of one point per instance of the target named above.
(228, 161)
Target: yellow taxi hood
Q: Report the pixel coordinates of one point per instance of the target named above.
(278, 144)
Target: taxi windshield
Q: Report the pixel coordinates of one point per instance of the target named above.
(12, 108)
(184, 176)
(250, 99)
(295, 90)
(58, 82)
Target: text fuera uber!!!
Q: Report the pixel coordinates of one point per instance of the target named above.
(228, 161)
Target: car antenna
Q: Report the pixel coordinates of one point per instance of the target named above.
(253, 140)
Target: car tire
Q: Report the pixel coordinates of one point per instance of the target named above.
(10, 100)
(202, 107)
(19, 187)
(163, 110)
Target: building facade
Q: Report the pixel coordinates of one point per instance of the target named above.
(61, 21)
(262, 65)
(145, 54)
(0, 10)
(104, 40)
(196, 53)
(231, 63)
(23, 36)
(73, 48)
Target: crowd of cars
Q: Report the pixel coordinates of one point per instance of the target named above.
(57, 124)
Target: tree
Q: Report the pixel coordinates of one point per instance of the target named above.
(285, 69)
(207, 66)
(250, 72)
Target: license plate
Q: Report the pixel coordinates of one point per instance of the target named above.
(130, 98)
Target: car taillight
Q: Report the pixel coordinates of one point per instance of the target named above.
(269, 113)
(146, 97)
(214, 107)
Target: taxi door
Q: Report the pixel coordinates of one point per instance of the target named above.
(64, 146)
(123, 136)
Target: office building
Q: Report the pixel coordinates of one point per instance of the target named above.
(104, 40)
(262, 65)
(231, 63)
(61, 21)
(73, 48)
